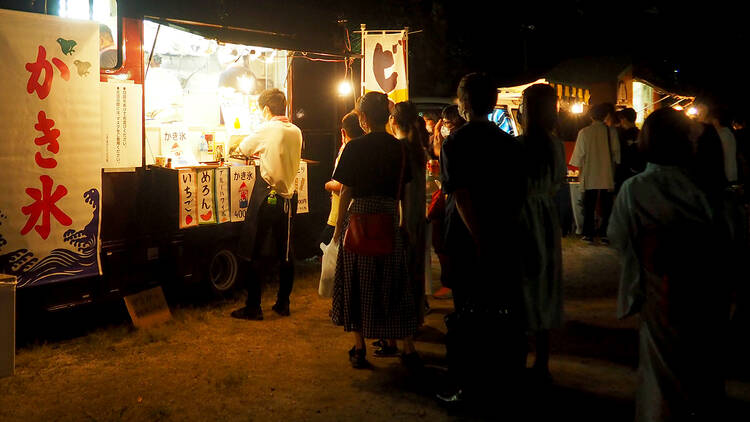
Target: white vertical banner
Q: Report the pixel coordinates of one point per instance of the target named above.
(188, 198)
(385, 63)
(241, 183)
(221, 190)
(300, 185)
(206, 199)
(50, 167)
(122, 118)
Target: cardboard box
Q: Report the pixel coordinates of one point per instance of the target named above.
(7, 325)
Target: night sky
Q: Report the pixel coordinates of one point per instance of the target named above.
(697, 47)
(705, 42)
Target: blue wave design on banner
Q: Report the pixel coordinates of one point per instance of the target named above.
(60, 264)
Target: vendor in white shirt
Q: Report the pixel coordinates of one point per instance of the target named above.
(266, 232)
(596, 154)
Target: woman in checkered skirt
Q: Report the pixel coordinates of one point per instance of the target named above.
(372, 295)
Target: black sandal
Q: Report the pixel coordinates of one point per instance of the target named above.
(358, 358)
(386, 352)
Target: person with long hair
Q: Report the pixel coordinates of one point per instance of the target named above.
(407, 127)
(544, 163)
(372, 295)
(675, 252)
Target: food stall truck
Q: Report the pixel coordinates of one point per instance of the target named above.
(130, 181)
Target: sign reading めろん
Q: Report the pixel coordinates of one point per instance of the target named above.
(50, 166)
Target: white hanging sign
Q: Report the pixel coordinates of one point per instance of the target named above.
(206, 200)
(221, 189)
(188, 198)
(242, 181)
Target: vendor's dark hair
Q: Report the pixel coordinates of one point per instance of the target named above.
(406, 118)
(350, 124)
(540, 120)
(275, 99)
(665, 138)
(374, 105)
(628, 114)
(451, 114)
(478, 93)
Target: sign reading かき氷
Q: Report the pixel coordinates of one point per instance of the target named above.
(241, 183)
(50, 168)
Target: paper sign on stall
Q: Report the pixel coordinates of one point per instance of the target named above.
(176, 144)
(221, 191)
(300, 185)
(188, 199)
(241, 187)
(122, 115)
(206, 200)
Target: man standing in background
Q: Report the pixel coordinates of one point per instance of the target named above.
(596, 154)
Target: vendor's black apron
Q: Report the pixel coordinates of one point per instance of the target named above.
(256, 239)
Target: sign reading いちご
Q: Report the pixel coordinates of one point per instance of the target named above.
(50, 168)
(241, 183)
(188, 198)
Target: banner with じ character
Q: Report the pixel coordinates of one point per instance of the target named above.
(385, 64)
(50, 167)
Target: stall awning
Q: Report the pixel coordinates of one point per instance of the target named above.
(295, 25)
(571, 94)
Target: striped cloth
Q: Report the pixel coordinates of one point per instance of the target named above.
(373, 295)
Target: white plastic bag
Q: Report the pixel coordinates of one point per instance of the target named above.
(328, 270)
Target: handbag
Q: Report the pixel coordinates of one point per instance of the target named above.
(372, 234)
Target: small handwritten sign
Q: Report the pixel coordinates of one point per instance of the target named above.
(242, 180)
(188, 198)
(206, 200)
(148, 308)
(221, 191)
(300, 185)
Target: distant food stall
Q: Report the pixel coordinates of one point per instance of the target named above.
(573, 102)
(642, 90)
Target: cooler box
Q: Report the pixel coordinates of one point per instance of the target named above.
(7, 325)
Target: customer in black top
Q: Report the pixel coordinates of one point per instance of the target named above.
(631, 160)
(372, 295)
(482, 175)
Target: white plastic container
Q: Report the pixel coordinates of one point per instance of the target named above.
(7, 325)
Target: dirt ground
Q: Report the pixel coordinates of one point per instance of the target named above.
(203, 365)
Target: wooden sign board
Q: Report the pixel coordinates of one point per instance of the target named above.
(148, 308)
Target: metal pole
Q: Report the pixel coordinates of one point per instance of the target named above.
(362, 28)
(406, 59)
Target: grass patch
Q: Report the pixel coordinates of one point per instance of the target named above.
(231, 380)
